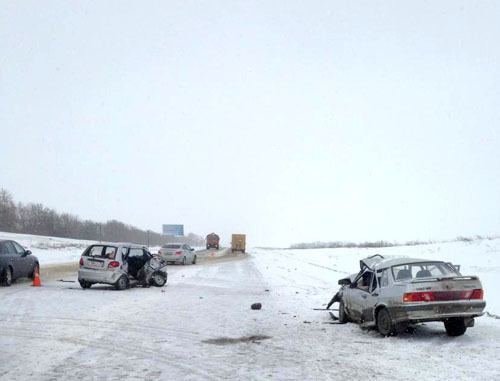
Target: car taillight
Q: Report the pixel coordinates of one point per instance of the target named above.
(178, 253)
(418, 297)
(442, 296)
(113, 264)
(81, 261)
(477, 294)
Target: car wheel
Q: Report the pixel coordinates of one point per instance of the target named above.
(36, 268)
(343, 318)
(85, 284)
(194, 260)
(122, 283)
(455, 326)
(158, 279)
(7, 277)
(183, 261)
(384, 323)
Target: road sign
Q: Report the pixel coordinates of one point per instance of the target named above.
(173, 229)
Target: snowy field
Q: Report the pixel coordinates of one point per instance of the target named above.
(200, 326)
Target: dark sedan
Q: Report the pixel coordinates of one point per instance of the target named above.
(16, 262)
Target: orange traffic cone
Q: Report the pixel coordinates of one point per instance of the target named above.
(36, 279)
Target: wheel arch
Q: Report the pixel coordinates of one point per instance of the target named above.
(376, 310)
(2, 274)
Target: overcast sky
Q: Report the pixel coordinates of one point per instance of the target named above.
(288, 121)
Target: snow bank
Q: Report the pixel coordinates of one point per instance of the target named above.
(50, 250)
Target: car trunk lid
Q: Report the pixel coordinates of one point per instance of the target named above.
(443, 289)
(100, 257)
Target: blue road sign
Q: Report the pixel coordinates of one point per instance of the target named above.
(173, 229)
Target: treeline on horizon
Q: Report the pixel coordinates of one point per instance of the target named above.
(375, 244)
(34, 218)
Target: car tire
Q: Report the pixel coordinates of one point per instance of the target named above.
(384, 323)
(85, 284)
(343, 317)
(455, 326)
(183, 261)
(7, 277)
(36, 267)
(158, 279)
(194, 260)
(122, 283)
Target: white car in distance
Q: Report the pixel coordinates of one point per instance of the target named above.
(177, 253)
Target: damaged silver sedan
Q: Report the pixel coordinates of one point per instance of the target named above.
(389, 294)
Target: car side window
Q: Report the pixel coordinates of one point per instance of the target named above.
(135, 253)
(3, 248)
(110, 252)
(364, 282)
(123, 251)
(10, 248)
(185, 247)
(384, 278)
(18, 248)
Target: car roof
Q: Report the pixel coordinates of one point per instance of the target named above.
(118, 244)
(379, 262)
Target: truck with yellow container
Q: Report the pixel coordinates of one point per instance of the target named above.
(238, 242)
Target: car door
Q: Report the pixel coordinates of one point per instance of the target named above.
(135, 261)
(360, 296)
(15, 261)
(370, 300)
(191, 253)
(122, 256)
(186, 253)
(25, 261)
(6, 256)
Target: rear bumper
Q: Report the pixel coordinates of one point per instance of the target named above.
(436, 311)
(173, 259)
(98, 276)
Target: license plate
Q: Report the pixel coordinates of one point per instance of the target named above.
(447, 309)
(95, 264)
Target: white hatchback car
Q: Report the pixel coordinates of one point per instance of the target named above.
(178, 253)
(119, 265)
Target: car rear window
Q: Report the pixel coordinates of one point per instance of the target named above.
(171, 246)
(422, 270)
(3, 248)
(102, 251)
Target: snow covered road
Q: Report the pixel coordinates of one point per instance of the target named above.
(200, 326)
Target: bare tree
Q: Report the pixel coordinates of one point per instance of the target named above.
(8, 213)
